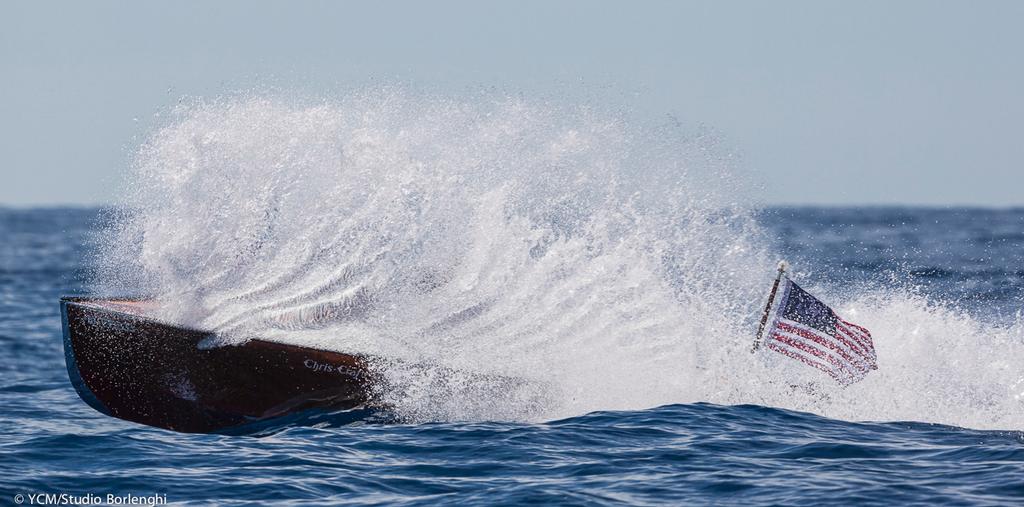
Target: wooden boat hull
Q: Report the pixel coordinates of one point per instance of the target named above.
(128, 366)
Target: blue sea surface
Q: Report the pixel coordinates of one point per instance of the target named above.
(698, 453)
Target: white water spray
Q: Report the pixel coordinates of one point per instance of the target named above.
(608, 264)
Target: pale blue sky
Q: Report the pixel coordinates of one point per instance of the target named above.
(827, 102)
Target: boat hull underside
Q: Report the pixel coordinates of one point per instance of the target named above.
(149, 372)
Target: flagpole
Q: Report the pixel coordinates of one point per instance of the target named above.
(768, 307)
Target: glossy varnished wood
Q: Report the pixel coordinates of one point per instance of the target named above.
(139, 369)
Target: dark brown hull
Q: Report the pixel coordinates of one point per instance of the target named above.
(138, 369)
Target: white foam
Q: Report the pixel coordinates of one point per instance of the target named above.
(606, 262)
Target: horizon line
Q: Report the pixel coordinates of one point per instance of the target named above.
(782, 205)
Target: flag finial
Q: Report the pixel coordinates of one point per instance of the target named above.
(783, 266)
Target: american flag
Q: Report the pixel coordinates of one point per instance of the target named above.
(807, 330)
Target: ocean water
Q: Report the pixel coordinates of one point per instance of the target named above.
(618, 269)
(685, 452)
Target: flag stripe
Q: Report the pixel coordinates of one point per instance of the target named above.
(856, 337)
(817, 341)
(864, 340)
(842, 368)
(805, 347)
(836, 373)
(867, 357)
(798, 333)
(803, 359)
(872, 357)
(849, 350)
(858, 328)
(825, 362)
(845, 326)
